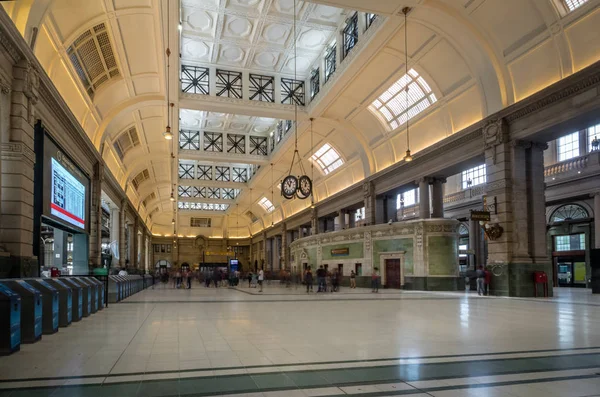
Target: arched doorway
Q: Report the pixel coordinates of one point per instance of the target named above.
(569, 229)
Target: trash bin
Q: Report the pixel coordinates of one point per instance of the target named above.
(65, 301)
(93, 292)
(31, 309)
(10, 321)
(79, 294)
(49, 305)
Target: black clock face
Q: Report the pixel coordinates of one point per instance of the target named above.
(289, 186)
(305, 189)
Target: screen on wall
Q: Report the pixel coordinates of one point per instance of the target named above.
(66, 189)
(67, 197)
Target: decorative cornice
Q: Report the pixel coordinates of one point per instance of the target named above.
(6, 43)
(568, 91)
(17, 151)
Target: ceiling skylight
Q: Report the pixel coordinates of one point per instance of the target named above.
(327, 158)
(572, 5)
(391, 105)
(266, 204)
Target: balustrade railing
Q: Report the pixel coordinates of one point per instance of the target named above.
(574, 164)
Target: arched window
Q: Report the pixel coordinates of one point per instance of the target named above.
(463, 230)
(568, 212)
(391, 105)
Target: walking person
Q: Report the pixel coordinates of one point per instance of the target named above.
(249, 279)
(216, 277)
(480, 281)
(335, 281)
(261, 278)
(375, 280)
(486, 281)
(308, 280)
(321, 274)
(352, 279)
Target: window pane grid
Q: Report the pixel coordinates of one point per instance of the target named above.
(327, 158)
(392, 104)
(568, 146)
(473, 177)
(572, 5)
(266, 204)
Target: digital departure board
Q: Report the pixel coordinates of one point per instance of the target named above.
(67, 196)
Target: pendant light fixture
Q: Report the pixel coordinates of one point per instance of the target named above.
(293, 186)
(168, 134)
(405, 11)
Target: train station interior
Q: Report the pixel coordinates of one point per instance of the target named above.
(300, 198)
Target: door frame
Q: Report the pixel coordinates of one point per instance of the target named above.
(391, 255)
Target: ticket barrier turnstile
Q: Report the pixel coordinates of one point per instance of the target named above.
(65, 301)
(101, 292)
(10, 321)
(78, 295)
(31, 310)
(87, 295)
(50, 305)
(114, 289)
(93, 292)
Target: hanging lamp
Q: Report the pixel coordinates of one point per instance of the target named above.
(168, 134)
(405, 11)
(292, 186)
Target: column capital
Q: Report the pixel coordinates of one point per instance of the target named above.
(521, 144)
(425, 179)
(439, 180)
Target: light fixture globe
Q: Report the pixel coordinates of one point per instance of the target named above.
(172, 198)
(408, 156)
(168, 134)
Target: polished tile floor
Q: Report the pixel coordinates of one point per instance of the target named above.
(284, 342)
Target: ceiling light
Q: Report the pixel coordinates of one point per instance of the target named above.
(408, 157)
(172, 197)
(168, 134)
(173, 221)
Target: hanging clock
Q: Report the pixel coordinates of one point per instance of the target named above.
(289, 186)
(305, 187)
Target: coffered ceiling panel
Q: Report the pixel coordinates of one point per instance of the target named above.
(256, 34)
(222, 122)
(70, 15)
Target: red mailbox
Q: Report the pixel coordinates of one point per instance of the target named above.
(540, 278)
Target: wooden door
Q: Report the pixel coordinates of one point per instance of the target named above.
(392, 273)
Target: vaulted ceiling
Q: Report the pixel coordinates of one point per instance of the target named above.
(477, 57)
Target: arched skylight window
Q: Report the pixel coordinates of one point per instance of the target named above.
(572, 5)
(266, 204)
(569, 212)
(327, 158)
(391, 105)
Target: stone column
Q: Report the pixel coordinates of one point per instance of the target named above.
(437, 197)
(515, 179)
(314, 222)
(143, 251)
(424, 208)
(300, 232)
(391, 211)
(474, 244)
(264, 253)
(136, 243)
(352, 219)
(122, 225)
(96, 216)
(284, 247)
(597, 220)
(369, 200)
(16, 233)
(115, 220)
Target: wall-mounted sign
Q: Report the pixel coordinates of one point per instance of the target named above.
(219, 253)
(480, 216)
(340, 252)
